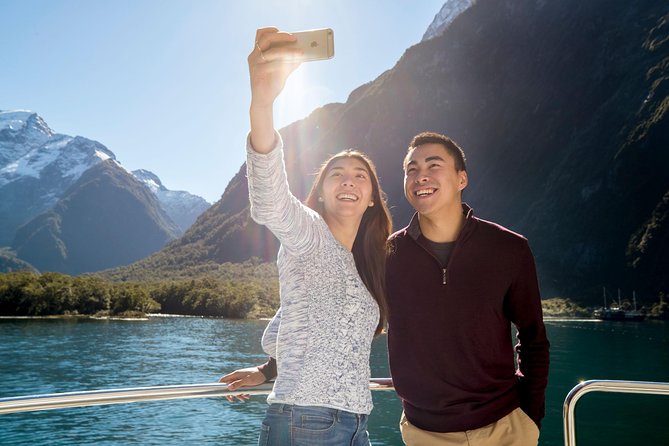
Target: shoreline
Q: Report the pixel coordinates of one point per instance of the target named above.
(162, 315)
(146, 317)
(76, 316)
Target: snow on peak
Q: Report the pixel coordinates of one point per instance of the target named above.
(102, 155)
(33, 162)
(14, 120)
(150, 179)
(181, 206)
(146, 175)
(29, 148)
(80, 155)
(17, 120)
(449, 12)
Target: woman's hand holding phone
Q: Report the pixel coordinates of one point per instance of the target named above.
(276, 54)
(270, 64)
(269, 68)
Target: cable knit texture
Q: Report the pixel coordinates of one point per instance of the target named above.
(321, 335)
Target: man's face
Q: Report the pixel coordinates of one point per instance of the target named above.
(431, 183)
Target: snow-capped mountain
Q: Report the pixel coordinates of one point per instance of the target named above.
(181, 206)
(449, 12)
(28, 147)
(20, 131)
(38, 165)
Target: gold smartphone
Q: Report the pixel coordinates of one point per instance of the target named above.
(317, 44)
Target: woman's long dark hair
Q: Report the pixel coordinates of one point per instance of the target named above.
(370, 246)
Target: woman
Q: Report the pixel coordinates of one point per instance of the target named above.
(331, 273)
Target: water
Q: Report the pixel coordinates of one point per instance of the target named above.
(49, 356)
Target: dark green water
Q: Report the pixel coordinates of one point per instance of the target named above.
(48, 356)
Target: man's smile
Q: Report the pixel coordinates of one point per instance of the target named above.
(425, 191)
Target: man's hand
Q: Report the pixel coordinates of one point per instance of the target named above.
(248, 377)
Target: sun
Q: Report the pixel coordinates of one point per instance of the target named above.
(300, 96)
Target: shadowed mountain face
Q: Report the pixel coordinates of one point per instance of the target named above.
(106, 219)
(561, 108)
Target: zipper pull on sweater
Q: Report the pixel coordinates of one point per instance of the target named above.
(444, 276)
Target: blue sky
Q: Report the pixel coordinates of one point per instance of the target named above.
(164, 84)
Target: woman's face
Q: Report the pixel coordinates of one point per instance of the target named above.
(347, 189)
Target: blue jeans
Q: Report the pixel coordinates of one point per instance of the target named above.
(289, 425)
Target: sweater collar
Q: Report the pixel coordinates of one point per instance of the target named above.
(414, 225)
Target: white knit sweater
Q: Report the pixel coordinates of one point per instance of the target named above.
(321, 336)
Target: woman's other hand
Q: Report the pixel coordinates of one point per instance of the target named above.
(248, 377)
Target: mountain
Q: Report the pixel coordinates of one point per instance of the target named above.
(9, 262)
(107, 218)
(561, 108)
(449, 12)
(20, 132)
(181, 206)
(37, 166)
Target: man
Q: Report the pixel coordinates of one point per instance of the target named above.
(455, 284)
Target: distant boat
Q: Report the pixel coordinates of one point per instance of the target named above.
(616, 312)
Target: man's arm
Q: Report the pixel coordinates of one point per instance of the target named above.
(523, 306)
(268, 369)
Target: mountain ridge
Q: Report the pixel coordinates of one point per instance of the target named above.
(181, 206)
(38, 165)
(105, 219)
(547, 100)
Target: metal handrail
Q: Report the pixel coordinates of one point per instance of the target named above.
(645, 387)
(31, 403)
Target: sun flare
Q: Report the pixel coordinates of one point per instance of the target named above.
(300, 97)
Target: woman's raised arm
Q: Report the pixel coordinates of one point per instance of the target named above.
(270, 64)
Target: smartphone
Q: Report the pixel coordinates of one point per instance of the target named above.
(317, 44)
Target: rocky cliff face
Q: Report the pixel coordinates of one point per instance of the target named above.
(561, 108)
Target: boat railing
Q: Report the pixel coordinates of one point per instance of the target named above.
(568, 412)
(33, 403)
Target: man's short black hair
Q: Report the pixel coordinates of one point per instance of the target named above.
(437, 138)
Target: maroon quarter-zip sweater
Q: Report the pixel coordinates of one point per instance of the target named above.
(449, 333)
